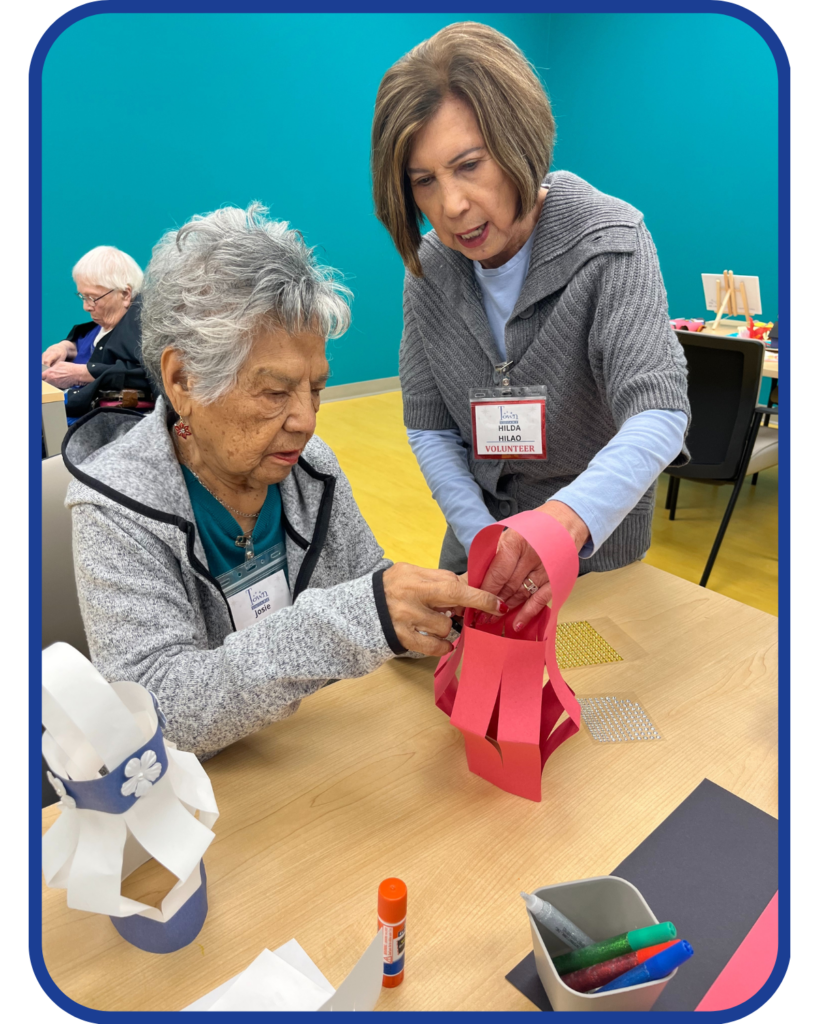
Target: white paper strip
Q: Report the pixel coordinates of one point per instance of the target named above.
(191, 784)
(59, 844)
(96, 874)
(167, 831)
(89, 702)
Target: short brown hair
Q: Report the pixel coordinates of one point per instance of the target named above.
(478, 64)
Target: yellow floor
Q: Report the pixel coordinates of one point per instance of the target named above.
(368, 437)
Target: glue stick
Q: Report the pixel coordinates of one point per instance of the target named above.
(392, 919)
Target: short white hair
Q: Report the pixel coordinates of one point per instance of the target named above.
(215, 283)
(109, 268)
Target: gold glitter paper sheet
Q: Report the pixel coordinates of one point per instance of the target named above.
(579, 643)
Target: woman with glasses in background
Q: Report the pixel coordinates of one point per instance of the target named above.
(100, 363)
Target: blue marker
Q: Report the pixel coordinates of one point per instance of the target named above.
(659, 966)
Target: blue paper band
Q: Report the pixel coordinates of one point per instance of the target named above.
(181, 930)
(105, 794)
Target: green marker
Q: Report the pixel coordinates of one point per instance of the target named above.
(628, 942)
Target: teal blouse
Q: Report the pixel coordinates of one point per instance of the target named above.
(219, 530)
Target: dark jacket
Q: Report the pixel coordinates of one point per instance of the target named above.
(115, 363)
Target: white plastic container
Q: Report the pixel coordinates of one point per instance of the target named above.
(601, 907)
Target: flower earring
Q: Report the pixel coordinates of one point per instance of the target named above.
(182, 429)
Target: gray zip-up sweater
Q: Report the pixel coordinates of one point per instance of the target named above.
(591, 323)
(154, 614)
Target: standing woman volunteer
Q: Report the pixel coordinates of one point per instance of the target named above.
(527, 279)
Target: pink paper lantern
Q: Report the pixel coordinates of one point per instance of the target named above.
(508, 718)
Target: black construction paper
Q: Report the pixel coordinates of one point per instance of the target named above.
(711, 868)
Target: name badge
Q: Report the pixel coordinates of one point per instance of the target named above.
(509, 422)
(257, 588)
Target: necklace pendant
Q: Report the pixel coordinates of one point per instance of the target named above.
(245, 540)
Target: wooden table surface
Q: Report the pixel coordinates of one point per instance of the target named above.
(368, 779)
(51, 394)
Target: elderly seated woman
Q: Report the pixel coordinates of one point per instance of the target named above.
(101, 358)
(220, 556)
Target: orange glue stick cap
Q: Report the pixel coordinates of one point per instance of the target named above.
(392, 919)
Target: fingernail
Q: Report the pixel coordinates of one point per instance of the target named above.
(504, 608)
(518, 626)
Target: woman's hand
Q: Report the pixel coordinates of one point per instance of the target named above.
(420, 603)
(516, 563)
(67, 375)
(63, 351)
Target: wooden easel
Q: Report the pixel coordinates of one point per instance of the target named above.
(730, 299)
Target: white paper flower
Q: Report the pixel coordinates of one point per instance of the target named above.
(141, 773)
(59, 789)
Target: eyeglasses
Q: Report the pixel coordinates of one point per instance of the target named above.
(91, 300)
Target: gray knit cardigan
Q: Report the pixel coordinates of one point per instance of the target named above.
(591, 323)
(154, 614)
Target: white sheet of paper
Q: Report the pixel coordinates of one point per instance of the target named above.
(271, 983)
(359, 990)
(362, 986)
(292, 954)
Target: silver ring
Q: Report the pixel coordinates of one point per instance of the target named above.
(529, 586)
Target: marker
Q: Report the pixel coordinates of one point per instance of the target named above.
(602, 974)
(659, 966)
(557, 923)
(618, 945)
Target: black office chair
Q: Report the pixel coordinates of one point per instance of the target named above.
(725, 440)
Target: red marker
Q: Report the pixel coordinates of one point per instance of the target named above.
(601, 974)
(392, 919)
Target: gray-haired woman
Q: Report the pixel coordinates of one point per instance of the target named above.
(221, 559)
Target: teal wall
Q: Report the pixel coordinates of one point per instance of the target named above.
(676, 113)
(181, 114)
(148, 119)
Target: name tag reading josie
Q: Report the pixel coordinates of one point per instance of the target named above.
(257, 588)
(508, 427)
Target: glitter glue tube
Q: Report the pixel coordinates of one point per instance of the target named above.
(659, 966)
(618, 945)
(558, 924)
(392, 919)
(602, 974)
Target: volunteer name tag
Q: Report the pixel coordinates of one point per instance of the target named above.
(508, 423)
(257, 588)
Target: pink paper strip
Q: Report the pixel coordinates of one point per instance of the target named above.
(750, 967)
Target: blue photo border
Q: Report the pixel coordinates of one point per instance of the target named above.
(453, 7)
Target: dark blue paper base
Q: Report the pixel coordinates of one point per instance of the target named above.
(181, 930)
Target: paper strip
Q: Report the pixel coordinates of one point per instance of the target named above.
(167, 831)
(750, 967)
(95, 880)
(73, 684)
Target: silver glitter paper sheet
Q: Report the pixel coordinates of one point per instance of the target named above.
(616, 720)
